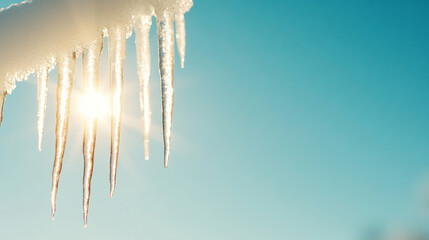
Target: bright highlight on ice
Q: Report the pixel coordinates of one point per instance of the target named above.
(39, 34)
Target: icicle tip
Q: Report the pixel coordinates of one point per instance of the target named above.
(112, 191)
(40, 145)
(146, 150)
(2, 99)
(182, 63)
(53, 204)
(166, 158)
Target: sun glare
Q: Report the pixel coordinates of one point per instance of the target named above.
(94, 105)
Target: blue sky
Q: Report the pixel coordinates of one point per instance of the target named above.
(293, 120)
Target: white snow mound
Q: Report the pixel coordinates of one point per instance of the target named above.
(35, 33)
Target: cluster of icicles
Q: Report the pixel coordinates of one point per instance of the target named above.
(91, 59)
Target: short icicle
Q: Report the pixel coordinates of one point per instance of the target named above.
(142, 27)
(2, 99)
(181, 37)
(42, 95)
(166, 68)
(66, 68)
(91, 63)
(117, 39)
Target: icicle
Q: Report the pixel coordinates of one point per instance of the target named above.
(117, 39)
(66, 68)
(91, 63)
(42, 94)
(181, 37)
(142, 28)
(2, 99)
(166, 66)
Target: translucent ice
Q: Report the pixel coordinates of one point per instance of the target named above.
(66, 68)
(142, 27)
(42, 95)
(166, 68)
(117, 37)
(181, 37)
(91, 62)
(2, 99)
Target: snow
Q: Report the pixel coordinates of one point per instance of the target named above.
(36, 33)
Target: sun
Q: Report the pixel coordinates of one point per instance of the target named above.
(94, 105)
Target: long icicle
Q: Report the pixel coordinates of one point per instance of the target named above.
(42, 95)
(66, 68)
(166, 66)
(117, 41)
(2, 99)
(91, 63)
(181, 37)
(142, 27)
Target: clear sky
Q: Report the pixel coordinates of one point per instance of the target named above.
(297, 120)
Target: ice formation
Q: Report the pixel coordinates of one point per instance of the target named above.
(66, 67)
(142, 27)
(67, 29)
(91, 62)
(42, 95)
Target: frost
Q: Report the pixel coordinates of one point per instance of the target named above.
(67, 27)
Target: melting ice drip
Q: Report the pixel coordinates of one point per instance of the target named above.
(66, 29)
